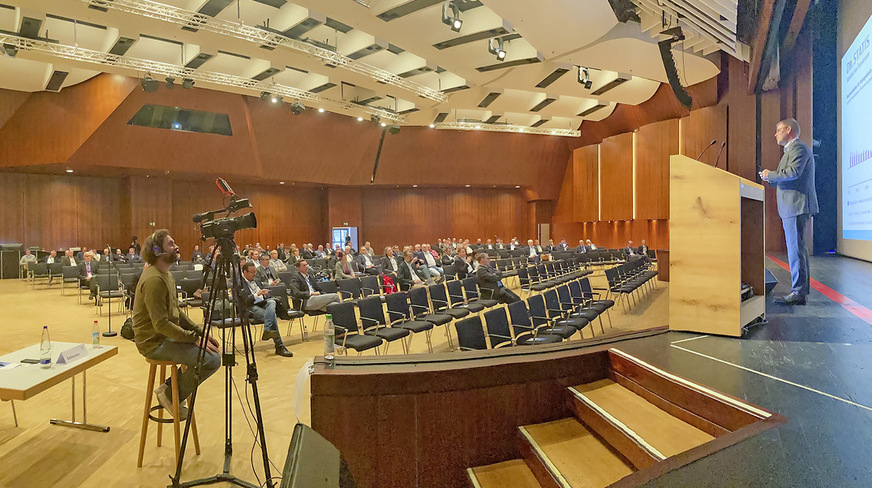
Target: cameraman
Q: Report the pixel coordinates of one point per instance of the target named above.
(161, 333)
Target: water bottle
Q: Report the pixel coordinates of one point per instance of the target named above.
(45, 349)
(95, 334)
(329, 340)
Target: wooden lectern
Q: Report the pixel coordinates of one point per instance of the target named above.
(715, 244)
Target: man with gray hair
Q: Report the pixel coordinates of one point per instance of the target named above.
(797, 202)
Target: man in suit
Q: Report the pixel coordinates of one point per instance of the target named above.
(302, 289)
(797, 202)
(643, 249)
(490, 278)
(532, 251)
(264, 308)
(630, 250)
(275, 263)
(264, 274)
(409, 274)
(132, 257)
(87, 273)
(462, 265)
(550, 247)
(563, 245)
(68, 259)
(197, 256)
(365, 261)
(581, 247)
(52, 258)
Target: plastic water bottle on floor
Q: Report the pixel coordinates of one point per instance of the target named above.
(45, 349)
(329, 340)
(95, 334)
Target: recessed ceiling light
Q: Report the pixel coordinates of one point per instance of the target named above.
(281, 182)
(69, 171)
(478, 127)
(321, 110)
(360, 119)
(517, 186)
(468, 186)
(521, 129)
(432, 126)
(414, 186)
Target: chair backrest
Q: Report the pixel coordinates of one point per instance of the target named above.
(194, 274)
(419, 300)
(70, 272)
(370, 285)
(285, 277)
(455, 292)
(575, 289)
(107, 282)
(523, 277)
(343, 316)
(327, 286)
(56, 269)
(350, 287)
(470, 334)
(538, 313)
(438, 296)
(371, 312)
(519, 316)
(188, 285)
(563, 293)
(470, 285)
(552, 302)
(497, 324)
(398, 305)
(178, 274)
(318, 263)
(38, 268)
(449, 271)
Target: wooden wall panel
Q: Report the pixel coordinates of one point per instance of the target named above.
(344, 207)
(742, 128)
(408, 216)
(585, 160)
(616, 177)
(771, 154)
(614, 235)
(654, 144)
(151, 200)
(699, 129)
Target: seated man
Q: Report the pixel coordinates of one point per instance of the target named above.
(264, 308)
(319, 253)
(418, 260)
(264, 273)
(533, 251)
(68, 259)
(132, 257)
(630, 250)
(563, 245)
(463, 267)
(590, 246)
(161, 332)
(302, 289)
(117, 257)
(28, 258)
(53, 257)
(642, 249)
(276, 264)
(391, 263)
(581, 247)
(365, 262)
(306, 252)
(197, 256)
(87, 272)
(550, 247)
(431, 261)
(409, 273)
(490, 278)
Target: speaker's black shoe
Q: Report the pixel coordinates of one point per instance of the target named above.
(283, 351)
(270, 334)
(791, 299)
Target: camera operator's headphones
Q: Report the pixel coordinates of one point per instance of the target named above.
(158, 250)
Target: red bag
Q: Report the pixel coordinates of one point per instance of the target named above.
(390, 287)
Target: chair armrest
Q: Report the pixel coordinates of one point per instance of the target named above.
(436, 300)
(367, 319)
(501, 336)
(397, 321)
(392, 313)
(423, 308)
(342, 294)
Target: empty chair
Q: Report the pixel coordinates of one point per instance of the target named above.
(522, 323)
(441, 303)
(55, 270)
(331, 286)
(371, 285)
(70, 275)
(372, 317)
(458, 300)
(470, 286)
(108, 287)
(500, 334)
(561, 314)
(38, 271)
(347, 330)
(539, 317)
(470, 335)
(349, 289)
(577, 308)
(400, 315)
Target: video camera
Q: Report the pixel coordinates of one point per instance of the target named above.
(225, 227)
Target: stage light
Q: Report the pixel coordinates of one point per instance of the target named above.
(264, 96)
(451, 16)
(149, 84)
(478, 127)
(187, 83)
(375, 119)
(584, 77)
(495, 47)
(171, 82)
(432, 125)
(321, 110)
(276, 99)
(10, 50)
(360, 119)
(177, 125)
(394, 129)
(297, 108)
(383, 124)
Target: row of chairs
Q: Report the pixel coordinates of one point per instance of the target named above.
(630, 279)
(546, 318)
(541, 277)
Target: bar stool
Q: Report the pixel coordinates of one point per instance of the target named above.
(146, 414)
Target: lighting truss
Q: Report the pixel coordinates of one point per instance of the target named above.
(100, 58)
(262, 37)
(482, 126)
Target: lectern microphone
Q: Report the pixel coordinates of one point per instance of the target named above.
(718, 160)
(714, 141)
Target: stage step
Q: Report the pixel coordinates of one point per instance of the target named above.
(637, 428)
(510, 474)
(564, 454)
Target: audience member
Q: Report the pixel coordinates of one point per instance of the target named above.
(643, 248)
(490, 279)
(409, 274)
(365, 261)
(134, 243)
(342, 269)
(276, 264)
(132, 257)
(302, 289)
(264, 308)
(53, 257)
(69, 259)
(264, 274)
(87, 271)
(28, 258)
(196, 255)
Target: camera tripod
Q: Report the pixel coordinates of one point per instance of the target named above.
(227, 266)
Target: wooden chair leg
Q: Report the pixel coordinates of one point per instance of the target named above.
(160, 411)
(149, 386)
(174, 381)
(194, 432)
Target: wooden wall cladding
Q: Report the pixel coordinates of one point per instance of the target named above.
(771, 152)
(418, 215)
(616, 177)
(579, 194)
(614, 235)
(699, 129)
(654, 144)
(59, 211)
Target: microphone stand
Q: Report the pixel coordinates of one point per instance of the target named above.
(110, 332)
(718, 160)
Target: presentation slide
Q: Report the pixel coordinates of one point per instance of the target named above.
(856, 125)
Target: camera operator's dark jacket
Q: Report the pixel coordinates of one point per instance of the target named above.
(156, 312)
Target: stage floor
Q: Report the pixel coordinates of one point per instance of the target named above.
(808, 363)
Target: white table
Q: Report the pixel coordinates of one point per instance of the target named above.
(27, 380)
